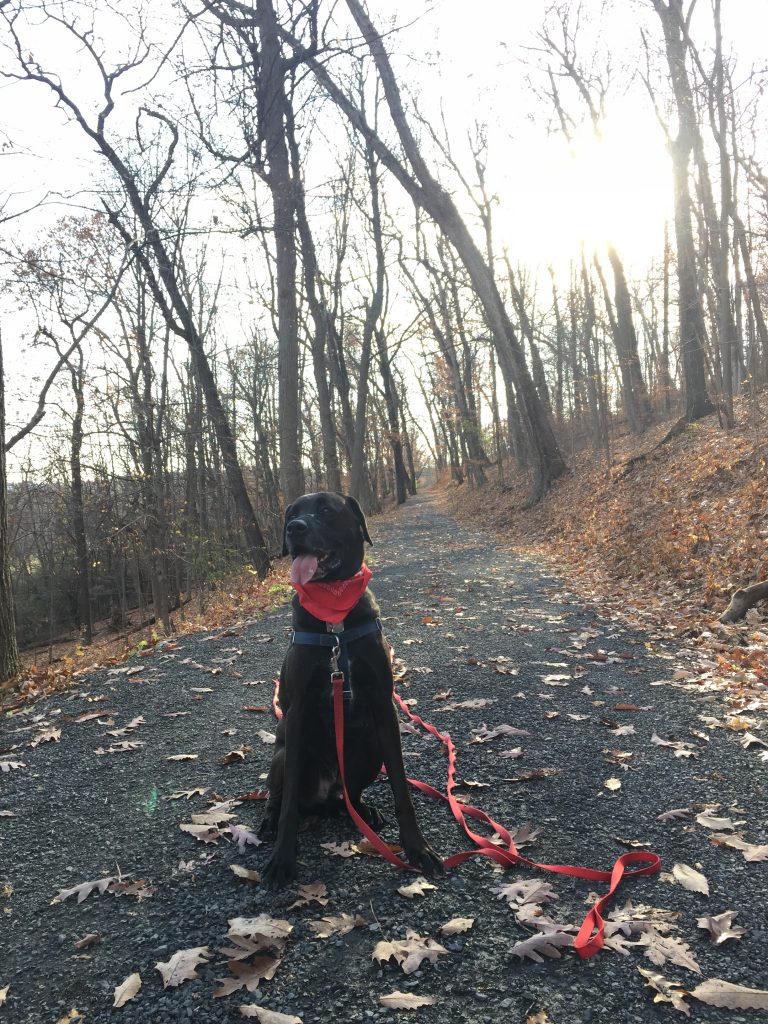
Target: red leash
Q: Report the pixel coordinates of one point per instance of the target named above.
(590, 938)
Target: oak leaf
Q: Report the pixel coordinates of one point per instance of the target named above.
(690, 879)
(265, 931)
(247, 975)
(84, 889)
(339, 925)
(242, 836)
(266, 1016)
(666, 991)
(662, 948)
(241, 872)
(416, 888)
(182, 966)
(317, 891)
(542, 944)
(127, 990)
(721, 927)
(406, 1000)
(716, 992)
(409, 952)
(8, 766)
(457, 925)
(203, 833)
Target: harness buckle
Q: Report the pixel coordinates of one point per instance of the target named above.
(335, 627)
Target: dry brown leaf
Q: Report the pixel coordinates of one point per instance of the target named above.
(265, 736)
(262, 931)
(416, 888)
(538, 1018)
(84, 889)
(344, 849)
(709, 821)
(541, 945)
(721, 927)
(690, 879)
(203, 833)
(182, 966)
(119, 748)
(246, 975)
(457, 925)
(182, 757)
(716, 992)
(666, 991)
(612, 784)
(317, 891)
(72, 1016)
(369, 850)
(187, 794)
(662, 948)
(406, 1001)
(4, 994)
(9, 766)
(241, 872)
(339, 925)
(409, 952)
(526, 891)
(266, 1016)
(243, 836)
(91, 939)
(52, 733)
(127, 990)
(676, 812)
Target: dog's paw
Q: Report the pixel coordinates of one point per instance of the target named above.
(268, 828)
(278, 872)
(372, 816)
(424, 858)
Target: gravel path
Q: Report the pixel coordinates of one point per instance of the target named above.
(467, 618)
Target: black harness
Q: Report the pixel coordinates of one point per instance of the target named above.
(338, 639)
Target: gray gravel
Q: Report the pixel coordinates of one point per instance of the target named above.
(452, 603)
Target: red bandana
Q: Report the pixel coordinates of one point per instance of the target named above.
(332, 602)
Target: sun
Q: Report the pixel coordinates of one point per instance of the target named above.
(593, 192)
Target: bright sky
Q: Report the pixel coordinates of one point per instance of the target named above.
(473, 61)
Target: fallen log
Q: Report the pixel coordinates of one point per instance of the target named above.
(743, 600)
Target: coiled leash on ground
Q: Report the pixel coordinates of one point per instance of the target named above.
(591, 936)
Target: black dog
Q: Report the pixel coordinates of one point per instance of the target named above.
(325, 534)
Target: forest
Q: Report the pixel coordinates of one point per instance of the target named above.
(274, 251)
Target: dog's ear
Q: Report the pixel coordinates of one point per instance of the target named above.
(359, 516)
(285, 523)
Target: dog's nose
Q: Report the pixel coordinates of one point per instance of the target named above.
(296, 527)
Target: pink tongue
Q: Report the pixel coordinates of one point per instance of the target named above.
(303, 569)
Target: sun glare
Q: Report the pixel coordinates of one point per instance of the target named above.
(615, 190)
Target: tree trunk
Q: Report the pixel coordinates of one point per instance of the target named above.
(10, 664)
(82, 562)
(692, 333)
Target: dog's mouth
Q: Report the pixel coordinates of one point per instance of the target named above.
(313, 567)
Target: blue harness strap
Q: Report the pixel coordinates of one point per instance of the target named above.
(340, 642)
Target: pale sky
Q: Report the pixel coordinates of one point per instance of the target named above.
(472, 60)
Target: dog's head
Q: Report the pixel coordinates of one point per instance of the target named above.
(325, 535)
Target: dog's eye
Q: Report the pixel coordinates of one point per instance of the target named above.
(324, 512)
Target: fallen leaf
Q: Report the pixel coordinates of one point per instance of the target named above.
(265, 736)
(84, 889)
(406, 1001)
(262, 931)
(662, 948)
(246, 975)
(242, 836)
(409, 952)
(666, 991)
(241, 872)
(91, 939)
(203, 833)
(313, 891)
(344, 849)
(715, 992)
(186, 794)
(544, 944)
(416, 888)
(612, 784)
(338, 925)
(182, 757)
(721, 927)
(182, 966)
(676, 812)
(127, 990)
(8, 766)
(457, 925)
(690, 879)
(268, 1016)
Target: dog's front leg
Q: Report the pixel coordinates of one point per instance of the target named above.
(281, 867)
(417, 849)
